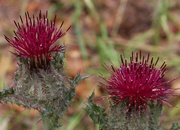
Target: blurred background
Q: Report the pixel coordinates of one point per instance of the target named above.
(101, 31)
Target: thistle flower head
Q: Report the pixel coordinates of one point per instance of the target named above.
(35, 38)
(138, 82)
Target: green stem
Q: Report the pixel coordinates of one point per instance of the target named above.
(96, 126)
(48, 124)
(78, 9)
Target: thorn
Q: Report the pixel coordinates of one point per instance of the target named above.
(122, 61)
(148, 57)
(157, 61)
(68, 28)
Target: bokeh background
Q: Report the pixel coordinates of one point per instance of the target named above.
(101, 31)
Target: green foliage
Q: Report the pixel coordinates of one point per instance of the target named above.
(6, 92)
(48, 91)
(155, 112)
(119, 118)
(175, 126)
(58, 61)
(97, 113)
(160, 19)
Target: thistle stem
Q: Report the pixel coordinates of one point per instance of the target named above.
(48, 124)
(96, 126)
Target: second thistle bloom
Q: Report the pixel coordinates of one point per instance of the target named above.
(138, 82)
(35, 38)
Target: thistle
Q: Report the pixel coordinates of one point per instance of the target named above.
(40, 82)
(138, 83)
(137, 92)
(35, 38)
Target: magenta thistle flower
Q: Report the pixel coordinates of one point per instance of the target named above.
(138, 83)
(35, 38)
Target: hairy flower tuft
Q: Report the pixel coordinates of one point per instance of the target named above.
(138, 83)
(34, 40)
